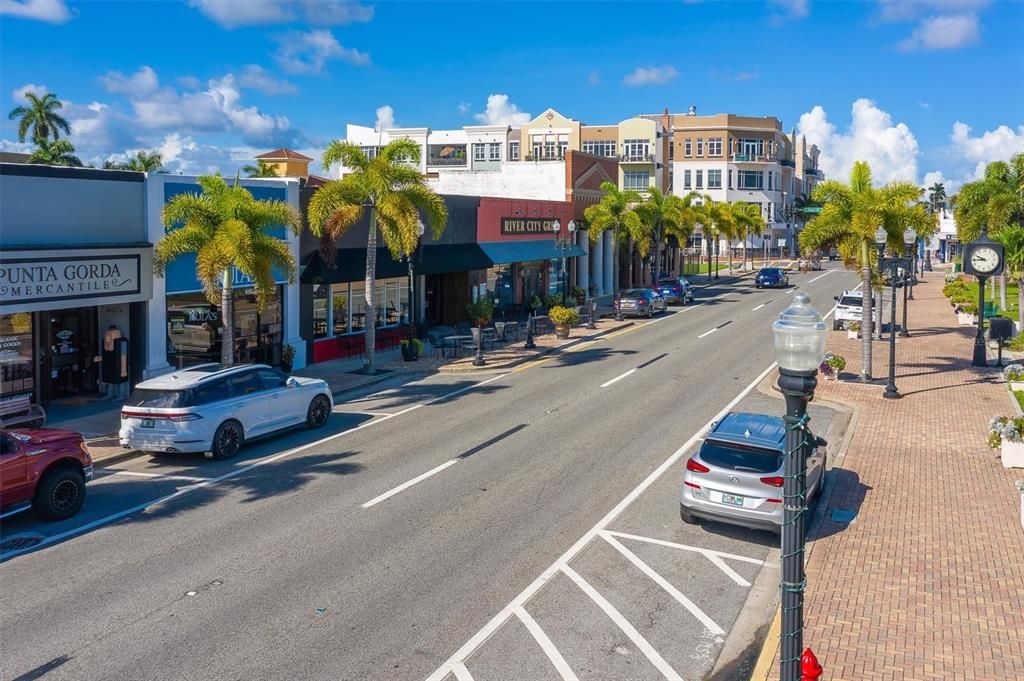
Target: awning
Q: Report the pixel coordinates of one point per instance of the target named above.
(451, 258)
(350, 265)
(504, 252)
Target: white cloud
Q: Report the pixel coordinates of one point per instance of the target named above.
(189, 82)
(141, 82)
(257, 78)
(18, 94)
(309, 52)
(464, 108)
(735, 77)
(501, 111)
(650, 75)
(385, 118)
(944, 32)
(785, 10)
(993, 145)
(50, 11)
(909, 10)
(951, 186)
(890, 150)
(233, 13)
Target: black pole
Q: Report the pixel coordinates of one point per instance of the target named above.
(529, 333)
(797, 388)
(980, 356)
(890, 387)
(908, 276)
(716, 255)
(478, 361)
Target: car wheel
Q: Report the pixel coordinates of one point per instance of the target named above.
(318, 413)
(60, 494)
(650, 311)
(686, 516)
(227, 440)
(837, 326)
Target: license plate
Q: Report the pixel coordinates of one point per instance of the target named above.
(732, 500)
(148, 423)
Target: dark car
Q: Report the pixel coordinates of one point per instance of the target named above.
(43, 469)
(771, 277)
(641, 302)
(675, 290)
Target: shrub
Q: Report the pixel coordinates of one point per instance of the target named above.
(1002, 428)
(1017, 343)
(968, 308)
(482, 309)
(832, 365)
(536, 303)
(1013, 372)
(553, 300)
(564, 315)
(415, 342)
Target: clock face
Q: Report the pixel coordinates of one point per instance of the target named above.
(985, 259)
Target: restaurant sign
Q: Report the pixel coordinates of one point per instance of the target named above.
(37, 280)
(527, 225)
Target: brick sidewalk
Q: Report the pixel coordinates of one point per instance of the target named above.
(928, 582)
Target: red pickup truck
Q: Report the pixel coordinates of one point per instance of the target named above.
(45, 470)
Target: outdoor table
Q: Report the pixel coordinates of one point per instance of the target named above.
(454, 341)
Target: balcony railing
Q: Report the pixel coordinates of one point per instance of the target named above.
(636, 158)
(812, 171)
(544, 157)
(446, 161)
(789, 163)
(752, 158)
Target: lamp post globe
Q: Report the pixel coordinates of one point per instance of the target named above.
(880, 238)
(799, 338)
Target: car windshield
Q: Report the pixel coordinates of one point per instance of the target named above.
(635, 293)
(851, 301)
(740, 458)
(770, 272)
(159, 399)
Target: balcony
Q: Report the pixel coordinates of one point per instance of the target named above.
(446, 161)
(751, 158)
(789, 163)
(636, 158)
(447, 155)
(812, 171)
(544, 157)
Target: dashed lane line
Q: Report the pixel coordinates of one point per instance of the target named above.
(107, 472)
(409, 483)
(619, 378)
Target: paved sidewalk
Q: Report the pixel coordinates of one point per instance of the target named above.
(928, 581)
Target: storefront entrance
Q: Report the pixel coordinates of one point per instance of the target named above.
(69, 349)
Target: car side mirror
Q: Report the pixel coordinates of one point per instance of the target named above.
(291, 382)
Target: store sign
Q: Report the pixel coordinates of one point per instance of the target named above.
(527, 225)
(43, 279)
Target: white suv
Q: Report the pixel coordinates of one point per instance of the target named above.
(849, 308)
(212, 409)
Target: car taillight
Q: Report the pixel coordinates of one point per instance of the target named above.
(677, 289)
(184, 417)
(641, 301)
(774, 480)
(696, 467)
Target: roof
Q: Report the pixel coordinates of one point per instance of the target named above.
(191, 376)
(283, 153)
(14, 157)
(755, 430)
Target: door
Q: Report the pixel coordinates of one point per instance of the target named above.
(249, 403)
(14, 485)
(286, 404)
(69, 345)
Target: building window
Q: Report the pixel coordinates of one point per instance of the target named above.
(348, 303)
(700, 179)
(479, 153)
(513, 151)
(728, 172)
(16, 350)
(600, 147)
(750, 149)
(714, 146)
(686, 179)
(562, 148)
(494, 151)
(750, 179)
(714, 179)
(700, 147)
(770, 174)
(671, 151)
(636, 150)
(321, 299)
(370, 152)
(549, 149)
(195, 328)
(687, 148)
(636, 180)
(537, 146)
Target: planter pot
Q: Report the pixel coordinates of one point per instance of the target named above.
(286, 367)
(561, 331)
(964, 319)
(409, 353)
(1016, 385)
(1012, 454)
(852, 335)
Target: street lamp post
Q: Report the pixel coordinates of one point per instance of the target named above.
(891, 265)
(412, 279)
(799, 338)
(564, 244)
(909, 238)
(717, 248)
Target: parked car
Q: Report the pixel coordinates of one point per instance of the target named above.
(43, 469)
(641, 302)
(675, 290)
(213, 409)
(849, 308)
(772, 277)
(736, 476)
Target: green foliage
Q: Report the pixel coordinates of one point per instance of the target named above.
(955, 289)
(553, 299)
(58, 153)
(578, 293)
(414, 342)
(535, 302)
(1017, 343)
(995, 202)
(837, 362)
(663, 215)
(287, 354)
(1003, 428)
(143, 162)
(617, 211)
(482, 309)
(261, 169)
(42, 117)
(564, 315)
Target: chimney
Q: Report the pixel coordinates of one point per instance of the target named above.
(287, 162)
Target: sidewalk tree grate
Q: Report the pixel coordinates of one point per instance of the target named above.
(20, 543)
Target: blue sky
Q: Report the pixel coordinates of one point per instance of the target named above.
(915, 88)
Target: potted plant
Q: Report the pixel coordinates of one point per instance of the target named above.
(553, 300)
(579, 294)
(563, 318)
(536, 304)
(480, 312)
(287, 358)
(853, 330)
(967, 314)
(1004, 434)
(1014, 375)
(831, 366)
(412, 348)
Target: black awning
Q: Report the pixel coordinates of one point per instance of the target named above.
(451, 258)
(350, 265)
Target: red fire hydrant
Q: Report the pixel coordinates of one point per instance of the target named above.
(810, 670)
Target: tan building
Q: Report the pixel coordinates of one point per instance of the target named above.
(286, 162)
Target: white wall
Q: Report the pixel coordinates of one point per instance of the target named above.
(543, 180)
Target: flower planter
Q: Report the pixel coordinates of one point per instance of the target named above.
(409, 353)
(1012, 454)
(561, 331)
(964, 319)
(852, 335)
(1016, 385)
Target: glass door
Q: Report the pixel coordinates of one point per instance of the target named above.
(71, 345)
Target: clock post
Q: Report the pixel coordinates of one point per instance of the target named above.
(983, 259)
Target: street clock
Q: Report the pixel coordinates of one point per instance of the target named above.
(984, 257)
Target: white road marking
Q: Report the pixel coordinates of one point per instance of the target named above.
(708, 623)
(759, 307)
(820, 276)
(108, 472)
(618, 378)
(628, 629)
(409, 483)
(362, 413)
(461, 673)
(714, 556)
(708, 333)
(561, 666)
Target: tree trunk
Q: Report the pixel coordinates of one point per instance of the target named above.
(729, 247)
(866, 320)
(1002, 291)
(615, 266)
(227, 319)
(743, 267)
(370, 317)
(1020, 302)
(629, 271)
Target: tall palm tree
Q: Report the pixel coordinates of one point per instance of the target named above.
(617, 211)
(58, 153)
(41, 116)
(936, 195)
(849, 217)
(1012, 239)
(716, 220)
(395, 194)
(143, 162)
(261, 169)
(997, 201)
(228, 229)
(748, 220)
(665, 215)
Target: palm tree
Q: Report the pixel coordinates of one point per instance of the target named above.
(261, 169)
(58, 153)
(849, 217)
(936, 195)
(617, 211)
(143, 162)
(394, 192)
(1012, 239)
(748, 220)
(228, 229)
(41, 116)
(663, 216)
(716, 220)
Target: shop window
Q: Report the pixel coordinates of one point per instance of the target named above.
(501, 281)
(358, 305)
(513, 151)
(340, 307)
(16, 356)
(321, 297)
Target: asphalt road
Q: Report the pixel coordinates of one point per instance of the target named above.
(446, 527)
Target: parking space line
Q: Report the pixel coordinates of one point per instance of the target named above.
(139, 474)
(362, 413)
(461, 673)
(563, 668)
(618, 378)
(708, 333)
(714, 556)
(708, 623)
(820, 276)
(622, 623)
(409, 483)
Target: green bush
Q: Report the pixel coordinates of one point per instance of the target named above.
(564, 315)
(482, 309)
(1017, 343)
(415, 342)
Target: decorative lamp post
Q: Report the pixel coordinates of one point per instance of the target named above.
(909, 239)
(718, 244)
(564, 244)
(412, 278)
(799, 337)
(892, 266)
